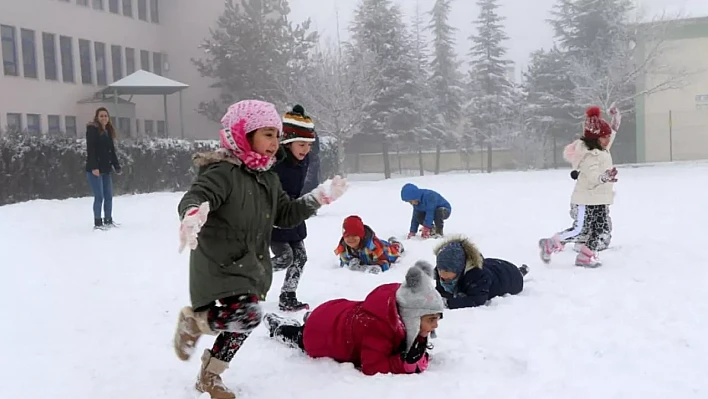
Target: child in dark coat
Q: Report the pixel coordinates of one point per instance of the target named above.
(466, 279)
(288, 245)
(360, 250)
(385, 333)
(429, 209)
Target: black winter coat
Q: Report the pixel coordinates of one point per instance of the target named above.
(100, 151)
(292, 174)
(482, 280)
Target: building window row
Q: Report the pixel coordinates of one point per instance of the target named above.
(20, 52)
(34, 123)
(145, 8)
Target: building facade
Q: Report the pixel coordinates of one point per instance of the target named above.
(672, 125)
(58, 54)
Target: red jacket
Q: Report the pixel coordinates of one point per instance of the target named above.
(368, 333)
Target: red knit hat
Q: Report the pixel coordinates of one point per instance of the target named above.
(353, 226)
(595, 127)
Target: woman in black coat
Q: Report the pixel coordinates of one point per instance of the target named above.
(101, 161)
(464, 278)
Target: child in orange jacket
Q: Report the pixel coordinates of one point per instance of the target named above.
(360, 250)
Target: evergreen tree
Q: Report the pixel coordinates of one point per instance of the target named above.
(446, 81)
(378, 30)
(490, 87)
(255, 52)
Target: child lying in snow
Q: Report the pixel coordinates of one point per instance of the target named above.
(466, 279)
(385, 333)
(360, 249)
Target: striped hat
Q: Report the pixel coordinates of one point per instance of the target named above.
(297, 126)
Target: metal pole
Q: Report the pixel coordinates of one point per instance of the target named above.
(167, 128)
(181, 114)
(671, 137)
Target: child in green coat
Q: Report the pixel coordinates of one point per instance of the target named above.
(226, 220)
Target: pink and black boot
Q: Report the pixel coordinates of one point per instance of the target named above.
(587, 258)
(549, 246)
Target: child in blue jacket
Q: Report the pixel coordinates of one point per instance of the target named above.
(429, 209)
(464, 278)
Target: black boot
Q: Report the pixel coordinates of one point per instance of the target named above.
(524, 270)
(289, 303)
(108, 222)
(98, 224)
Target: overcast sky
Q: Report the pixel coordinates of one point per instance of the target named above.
(526, 23)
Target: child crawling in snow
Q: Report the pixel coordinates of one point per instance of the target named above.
(387, 332)
(360, 250)
(467, 279)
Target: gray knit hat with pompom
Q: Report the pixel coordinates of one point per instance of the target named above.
(416, 298)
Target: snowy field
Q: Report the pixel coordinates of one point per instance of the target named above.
(91, 314)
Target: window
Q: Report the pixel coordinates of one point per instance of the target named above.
(9, 50)
(117, 62)
(142, 10)
(154, 12)
(145, 60)
(128, 8)
(34, 123)
(124, 126)
(114, 122)
(85, 61)
(137, 127)
(97, 4)
(101, 74)
(113, 6)
(29, 53)
(70, 125)
(50, 56)
(157, 63)
(82, 2)
(54, 124)
(14, 122)
(129, 60)
(67, 58)
(161, 129)
(149, 127)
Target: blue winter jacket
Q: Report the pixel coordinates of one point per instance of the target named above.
(480, 279)
(292, 174)
(429, 201)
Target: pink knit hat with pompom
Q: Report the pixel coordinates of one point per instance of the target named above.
(245, 117)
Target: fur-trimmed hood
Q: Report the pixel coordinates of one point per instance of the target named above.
(473, 257)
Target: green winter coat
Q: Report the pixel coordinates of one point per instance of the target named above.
(233, 252)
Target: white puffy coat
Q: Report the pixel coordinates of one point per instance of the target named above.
(589, 190)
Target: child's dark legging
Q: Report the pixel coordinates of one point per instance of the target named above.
(235, 320)
(290, 335)
(291, 256)
(102, 189)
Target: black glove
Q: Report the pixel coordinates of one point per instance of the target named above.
(417, 351)
(574, 175)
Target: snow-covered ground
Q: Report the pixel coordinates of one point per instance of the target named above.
(91, 314)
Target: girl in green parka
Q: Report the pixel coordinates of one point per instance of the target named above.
(226, 220)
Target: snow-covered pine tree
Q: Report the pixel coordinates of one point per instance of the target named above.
(378, 29)
(255, 52)
(446, 81)
(547, 89)
(491, 89)
(421, 136)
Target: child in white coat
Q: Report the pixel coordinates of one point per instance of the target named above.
(594, 191)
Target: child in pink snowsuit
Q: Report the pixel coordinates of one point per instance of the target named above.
(594, 192)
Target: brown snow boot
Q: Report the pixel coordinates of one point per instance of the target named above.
(190, 326)
(209, 379)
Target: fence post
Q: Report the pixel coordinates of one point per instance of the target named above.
(671, 137)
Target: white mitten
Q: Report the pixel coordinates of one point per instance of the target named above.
(192, 222)
(337, 188)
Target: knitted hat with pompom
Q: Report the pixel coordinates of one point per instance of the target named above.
(417, 297)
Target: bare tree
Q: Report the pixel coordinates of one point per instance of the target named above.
(334, 92)
(637, 64)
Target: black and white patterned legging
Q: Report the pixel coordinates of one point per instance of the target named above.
(291, 256)
(234, 319)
